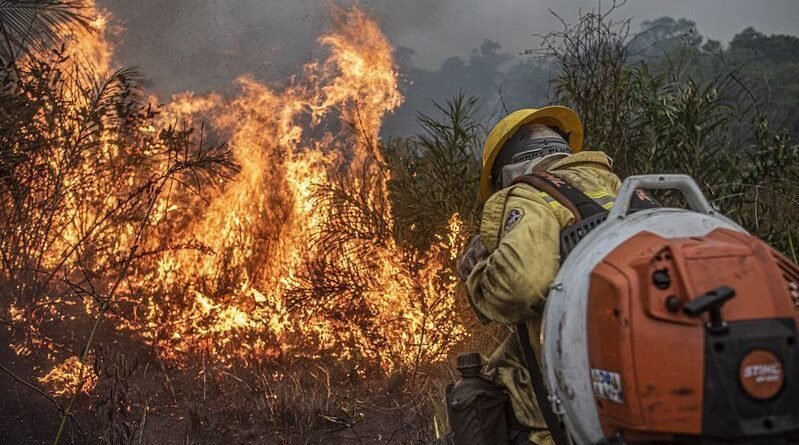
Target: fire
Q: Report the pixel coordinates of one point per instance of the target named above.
(65, 378)
(262, 283)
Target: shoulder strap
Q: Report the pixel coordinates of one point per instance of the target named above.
(539, 387)
(580, 205)
(587, 215)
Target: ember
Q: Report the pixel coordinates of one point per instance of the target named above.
(70, 376)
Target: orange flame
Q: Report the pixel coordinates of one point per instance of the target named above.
(66, 377)
(263, 226)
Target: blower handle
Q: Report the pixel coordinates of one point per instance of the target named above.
(684, 183)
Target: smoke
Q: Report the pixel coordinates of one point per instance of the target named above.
(202, 46)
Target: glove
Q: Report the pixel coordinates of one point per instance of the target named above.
(474, 253)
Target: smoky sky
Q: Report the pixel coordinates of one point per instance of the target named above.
(202, 45)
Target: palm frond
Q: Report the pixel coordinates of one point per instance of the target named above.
(26, 24)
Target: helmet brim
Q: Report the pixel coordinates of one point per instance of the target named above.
(560, 117)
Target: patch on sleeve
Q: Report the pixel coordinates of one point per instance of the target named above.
(514, 216)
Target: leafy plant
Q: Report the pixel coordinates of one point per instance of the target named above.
(37, 24)
(685, 116)
(435, 174)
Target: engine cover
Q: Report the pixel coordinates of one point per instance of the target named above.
(660, 374)
(623, 358)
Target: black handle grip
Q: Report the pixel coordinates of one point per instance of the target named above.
(711, 302)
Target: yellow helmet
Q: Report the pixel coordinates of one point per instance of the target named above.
(562, 118)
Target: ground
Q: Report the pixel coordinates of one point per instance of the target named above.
(141, 400)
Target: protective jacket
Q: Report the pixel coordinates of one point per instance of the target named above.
(521, 228)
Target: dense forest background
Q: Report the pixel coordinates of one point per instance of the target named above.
(148, 293)
(510, 81)
(660, 99)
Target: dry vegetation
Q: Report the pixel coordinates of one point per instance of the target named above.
(162, 287)
(262, 268)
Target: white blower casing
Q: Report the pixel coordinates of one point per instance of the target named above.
(565, 355)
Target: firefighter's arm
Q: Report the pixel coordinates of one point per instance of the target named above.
(523, 237)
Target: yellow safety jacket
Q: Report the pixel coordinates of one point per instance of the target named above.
(521, 229)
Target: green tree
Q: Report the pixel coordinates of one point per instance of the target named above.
(683, 116)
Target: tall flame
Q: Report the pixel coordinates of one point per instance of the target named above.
(262, 232)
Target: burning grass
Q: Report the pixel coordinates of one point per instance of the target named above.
(270, 263)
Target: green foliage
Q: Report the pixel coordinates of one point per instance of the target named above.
(769, 64)
(778, 48)
(764, 196)
(683, 116)
(436, 173)
(761, 66)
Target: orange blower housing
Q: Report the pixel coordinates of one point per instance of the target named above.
(694, 340)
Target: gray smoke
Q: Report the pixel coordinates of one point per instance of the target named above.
(202, 45)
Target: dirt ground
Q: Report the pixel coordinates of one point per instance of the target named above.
(140, 400)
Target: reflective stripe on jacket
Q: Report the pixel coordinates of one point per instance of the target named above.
(521, 230)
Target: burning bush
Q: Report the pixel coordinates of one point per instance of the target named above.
(280, 242)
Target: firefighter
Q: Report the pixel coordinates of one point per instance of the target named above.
(509, 266)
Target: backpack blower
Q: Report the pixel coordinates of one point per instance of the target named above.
(672, 326)
(663, 325)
